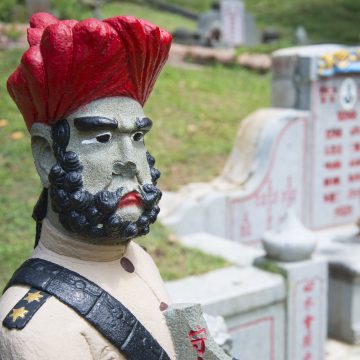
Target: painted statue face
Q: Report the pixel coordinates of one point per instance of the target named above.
(102, 186)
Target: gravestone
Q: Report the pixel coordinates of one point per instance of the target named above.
(325, 81)
(233, 22)
(252, 33)
(303, 154)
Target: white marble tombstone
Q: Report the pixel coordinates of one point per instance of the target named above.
(301, 80)
(233, 22)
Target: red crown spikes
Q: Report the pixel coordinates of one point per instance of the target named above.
(71, 63)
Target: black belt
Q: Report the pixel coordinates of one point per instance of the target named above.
(111, 318)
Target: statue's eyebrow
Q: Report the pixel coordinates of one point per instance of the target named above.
(88, 123)
(143, 124)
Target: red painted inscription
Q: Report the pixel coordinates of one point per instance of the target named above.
(245, 228)
(197, 339)
(346, 115)
(330, 198)
(327, 94)
(356, 147)
(355, 131)
(333, 165)
(333, 133)
(355, 162)
(308, 319)
(354, 193)
(344, 210)
(332, 181)
(354, 178)
(333, 150)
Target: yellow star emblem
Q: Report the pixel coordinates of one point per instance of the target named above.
(18, 313)
(35, 296)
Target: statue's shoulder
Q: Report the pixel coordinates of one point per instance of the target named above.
(23, 310)
(32, 322)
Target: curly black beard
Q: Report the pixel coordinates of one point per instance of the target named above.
(93, 217)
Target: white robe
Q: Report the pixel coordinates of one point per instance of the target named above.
(56, 332)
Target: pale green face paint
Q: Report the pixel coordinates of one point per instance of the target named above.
(119, 161)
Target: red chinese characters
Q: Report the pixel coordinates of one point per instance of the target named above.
(346, 115)
(327, 94)
(197, 339)
(308, 320)
(333, 150)
(332, 181)
(333, 133)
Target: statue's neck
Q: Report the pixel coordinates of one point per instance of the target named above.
(62, 244)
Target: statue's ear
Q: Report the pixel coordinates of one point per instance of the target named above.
(41, 145)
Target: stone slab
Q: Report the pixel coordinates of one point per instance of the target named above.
(259, 334)
(250, 300)
(232, 251)
(240, 290)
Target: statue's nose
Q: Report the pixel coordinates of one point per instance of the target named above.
(127, 169)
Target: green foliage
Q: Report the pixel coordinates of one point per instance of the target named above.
(175, 261)
(13, 33)
(167, 21)
(68, 9)
(271, 266)
(324, 20)
(195, 5)
(6, 10)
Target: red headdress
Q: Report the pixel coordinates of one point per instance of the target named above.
(71, 63)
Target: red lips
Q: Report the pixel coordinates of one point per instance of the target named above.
(131, 199)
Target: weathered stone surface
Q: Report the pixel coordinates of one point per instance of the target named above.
(190, 333)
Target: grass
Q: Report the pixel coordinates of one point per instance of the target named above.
(324, 20)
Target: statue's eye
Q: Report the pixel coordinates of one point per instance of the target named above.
(138, 136)
(102, 138)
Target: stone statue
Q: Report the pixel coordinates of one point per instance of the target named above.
(87, 291)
